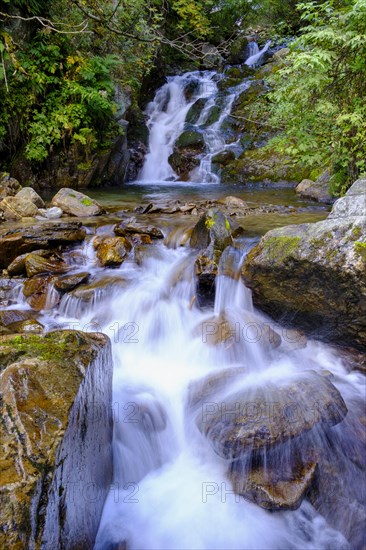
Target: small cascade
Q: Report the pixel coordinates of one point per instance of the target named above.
(254, 58)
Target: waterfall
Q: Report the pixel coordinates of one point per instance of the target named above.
(173, 363)
(166, 117)
(167, 120)
(255, 54)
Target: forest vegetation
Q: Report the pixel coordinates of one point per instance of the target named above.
(62, 63)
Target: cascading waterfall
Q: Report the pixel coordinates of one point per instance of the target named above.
(171, 490)
(167, 115)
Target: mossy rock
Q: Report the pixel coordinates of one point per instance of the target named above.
(44, 448)
(191, 139)
(195, 110)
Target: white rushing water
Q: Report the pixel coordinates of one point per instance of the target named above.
(170, 489)
(167, 115)
(256, 54)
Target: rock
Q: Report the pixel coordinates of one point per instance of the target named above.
(314, 190)
(237, 50)
(69, 282)
(36, 263)
(233, 203)
(266, 416)
(76, 204)
(322, 269)
(223, 157)
(30, 194)
(40, 293)
(281, 54)
(45, 235)
(195, 110)
(51, 213)
(213, 232)
(135, 228)
(112, 251)
(183, 163)
(211, 57)
(56, 439)
(16, 208)
(11, 316)
(272, 489)
(95, 289)
(29, 326)
(8, 186)
(203, 390)
(190, 138)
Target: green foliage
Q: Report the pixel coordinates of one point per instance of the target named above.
(318, 95)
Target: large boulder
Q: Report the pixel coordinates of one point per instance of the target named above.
(31, 195)
(314, 275)
(16, 208)
(56, 438)
(22, 239)
(76, 204)
(259, 418)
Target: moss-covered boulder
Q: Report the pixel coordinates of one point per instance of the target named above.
(237, 50)
(56, 435)
(195, 111)
(314, 275)
(190, 138)
(76, 204)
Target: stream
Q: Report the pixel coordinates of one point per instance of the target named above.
(172, 487)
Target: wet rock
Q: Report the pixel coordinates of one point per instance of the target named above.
(69, 282)
(205, 389)
(237, 50)
(322, 269)
(56, 437)
(30, 194)
(29, 326)
(112, 251)
(233, 203)
(183, 163)
(190, 138)
(266, 416)
(40, 293)
(16, 208)
(45, 235)
(272, 489)
(44, 263)
(76, 204)
(213, 232)
(223, 157)
(134, 228)
(195, 111)
(8, 186)
(96, 289)
(11, 316)
(317, 190)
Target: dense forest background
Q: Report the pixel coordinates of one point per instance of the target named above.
(70, 70)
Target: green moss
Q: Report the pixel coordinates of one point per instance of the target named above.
(360, 249)
(356, 232)
(86, 202)
(52, 347)
(280, 248)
